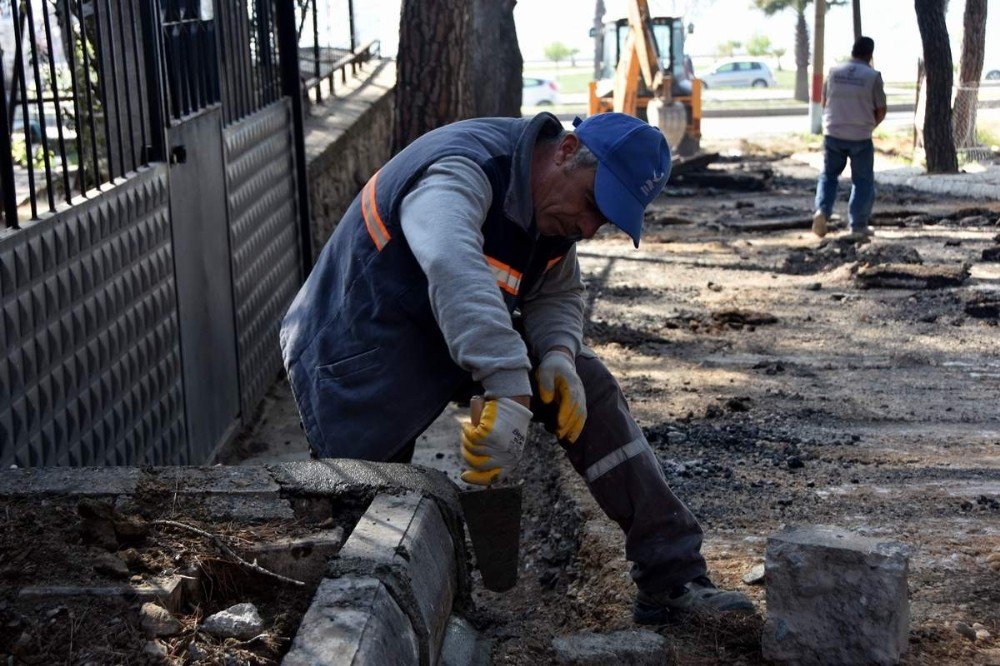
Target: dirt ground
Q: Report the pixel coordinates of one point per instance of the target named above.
(90, 544)
(775, 391)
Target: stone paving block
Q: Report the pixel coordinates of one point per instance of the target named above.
(636, 647)
(407, 534)
(463, 646)
(303, 559)
(221, 480)
(169, 591)
(834, 597)
(248, 508)
(353, 621)
(79, 481)
(339, 477)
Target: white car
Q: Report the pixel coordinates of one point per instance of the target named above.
(993, 75)
(740, 74)
(539, 92)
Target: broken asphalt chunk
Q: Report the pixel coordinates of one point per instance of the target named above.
(911, 276)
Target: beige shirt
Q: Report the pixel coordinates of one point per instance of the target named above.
(852, 91)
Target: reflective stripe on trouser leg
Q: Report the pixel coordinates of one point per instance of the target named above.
(662, 538)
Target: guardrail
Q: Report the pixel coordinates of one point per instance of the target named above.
(352, 59)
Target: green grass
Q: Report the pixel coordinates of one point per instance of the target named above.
(988, 135)
(785, 78)
(575, 82)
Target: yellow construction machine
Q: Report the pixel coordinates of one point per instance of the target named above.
(645, 73)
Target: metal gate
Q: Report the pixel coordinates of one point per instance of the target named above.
(139, 312)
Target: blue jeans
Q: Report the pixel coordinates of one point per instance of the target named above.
(835, 155)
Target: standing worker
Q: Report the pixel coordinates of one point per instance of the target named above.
(471, 227)
(853, 106)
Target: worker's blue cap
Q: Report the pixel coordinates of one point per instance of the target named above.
(633, 166)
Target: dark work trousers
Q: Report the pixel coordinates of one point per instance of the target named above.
(662, 538)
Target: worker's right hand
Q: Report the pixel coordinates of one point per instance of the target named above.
(492, 449)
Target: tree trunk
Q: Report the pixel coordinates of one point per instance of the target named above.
(938, 139)
(598, 39)
(802, 58)
(496, 59)
(433, 69)
(970, 69)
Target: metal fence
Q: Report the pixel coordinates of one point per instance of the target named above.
(323, 56)
(155, 223)
(74, 101)
(79, 107)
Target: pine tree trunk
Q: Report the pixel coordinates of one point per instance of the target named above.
(801, 58)
(598, 39)
(433, 69)
(938, 139)
(970, 68)
(496, 58)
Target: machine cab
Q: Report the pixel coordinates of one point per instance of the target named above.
(669, 35)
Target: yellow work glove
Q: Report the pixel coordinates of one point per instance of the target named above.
(493, 447)
(557, 378)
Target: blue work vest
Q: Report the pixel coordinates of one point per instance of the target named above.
(366, 360)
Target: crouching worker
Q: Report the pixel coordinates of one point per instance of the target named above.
(413, 296)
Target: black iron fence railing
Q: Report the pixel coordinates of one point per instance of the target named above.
(330, 66)
(250, 55)
(74, 110)
(90, 86)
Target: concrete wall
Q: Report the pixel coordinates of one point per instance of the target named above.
(348, 138)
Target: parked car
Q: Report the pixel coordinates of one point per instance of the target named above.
(993, 75)
(539, 92)
(740, 73)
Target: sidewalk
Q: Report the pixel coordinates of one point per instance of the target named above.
(977, 182)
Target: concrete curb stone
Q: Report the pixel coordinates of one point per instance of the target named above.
(77, 481)
(404, 542)
(353, 620)
(364, 479)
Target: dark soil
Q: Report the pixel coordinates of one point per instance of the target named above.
(90, 543)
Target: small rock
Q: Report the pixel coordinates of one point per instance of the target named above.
(240, 621)
(131, 558)
(755, 576)
(154, 649)
(794, 462)
(676, 437)
(24, 645)
(992, 253)
(964, 629)
(111, 565)
(130, 527)
(157, 621)
(815, 286)
(195, 653)
(637, 647)
(54, 612)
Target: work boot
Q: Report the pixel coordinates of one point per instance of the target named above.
(819, 223)
(698, 596)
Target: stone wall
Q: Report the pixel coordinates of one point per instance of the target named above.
(348, 138)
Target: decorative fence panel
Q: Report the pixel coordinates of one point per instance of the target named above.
(106, 187)
(260, 180)
(91, 366)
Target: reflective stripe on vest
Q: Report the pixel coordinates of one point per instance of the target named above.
(373, 221)
(553, 262)
(508, 278)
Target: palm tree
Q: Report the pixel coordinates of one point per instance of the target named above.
(772, 7)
